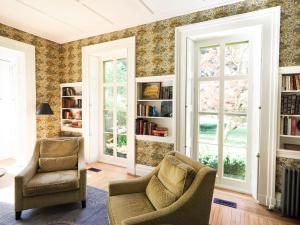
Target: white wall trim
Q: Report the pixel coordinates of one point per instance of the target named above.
(143, 170)
(26, 133)
(269, 19)
(90, 81)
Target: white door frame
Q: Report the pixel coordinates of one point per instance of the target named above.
(91, 96)
(269, 20)
(24, 60)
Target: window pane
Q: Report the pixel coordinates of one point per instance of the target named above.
(237, 59)
(122, 122)
(108, 121)
(209, 61)
(108, 71)
(108, 97)
(235, 131)
(236, 96)
(234, 162)
(108, 144)
(208, 155)
(208, 125)
(121, 70)
(122, 99)
(209, 96)
(122, 146)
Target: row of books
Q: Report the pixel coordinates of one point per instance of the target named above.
(166, 92)
(71, 103)
(144, 127)
(290, 104)
(70, 91)
(288, 125)
(291, 82)
(145, 110)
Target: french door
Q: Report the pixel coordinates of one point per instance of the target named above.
(113, 106)
(222, 106)
(7, 110)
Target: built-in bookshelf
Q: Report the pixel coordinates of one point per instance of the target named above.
(155, 108)
(71, 107)
(289, 116)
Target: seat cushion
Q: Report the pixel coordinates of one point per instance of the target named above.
(58, 147)
(176, 175)
(158, 194)
(121, 207)
(52, 182)
(58, 163)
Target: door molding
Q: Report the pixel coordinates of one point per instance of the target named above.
(269, 20)
(24, 59)
(91, 110)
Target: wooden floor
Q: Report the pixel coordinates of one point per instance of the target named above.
(248, 212)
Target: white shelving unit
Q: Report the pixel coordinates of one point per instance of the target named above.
(71, 107)
(287, 139)
(168, 122)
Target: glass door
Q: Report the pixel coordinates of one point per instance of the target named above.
(7, 110)
(223, 105)
(114, 110)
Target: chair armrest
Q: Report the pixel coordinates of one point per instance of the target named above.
(130, 186)
(81, 161)
(26, 174)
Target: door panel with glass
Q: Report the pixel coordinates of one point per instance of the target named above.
(223, 96)
(114, 109)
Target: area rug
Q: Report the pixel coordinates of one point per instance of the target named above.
(95, 212)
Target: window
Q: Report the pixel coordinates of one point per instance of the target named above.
(223, 80)
(115, 107)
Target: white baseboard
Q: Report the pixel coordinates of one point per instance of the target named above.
(143, 170)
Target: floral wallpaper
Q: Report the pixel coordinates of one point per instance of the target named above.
(47, 77)
(155, 54)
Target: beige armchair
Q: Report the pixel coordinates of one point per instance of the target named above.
(56, 174)
(141, 202)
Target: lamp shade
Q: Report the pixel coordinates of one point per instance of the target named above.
(44, 109)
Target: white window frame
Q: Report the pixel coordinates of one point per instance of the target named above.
(222, 181)
(103, 157)
(91, 58)
(269, 20)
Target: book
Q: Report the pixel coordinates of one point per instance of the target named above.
(293, 125)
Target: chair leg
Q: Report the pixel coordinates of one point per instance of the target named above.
(18, 215)
(83, 204)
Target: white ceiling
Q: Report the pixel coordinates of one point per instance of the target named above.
(68, 20)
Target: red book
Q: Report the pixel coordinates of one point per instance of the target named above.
(293, 125)
(141, 126)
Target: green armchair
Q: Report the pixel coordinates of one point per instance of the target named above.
(56, 174)
(131, 202)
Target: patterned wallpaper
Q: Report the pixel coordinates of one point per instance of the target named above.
(47, 76)
(155, 53)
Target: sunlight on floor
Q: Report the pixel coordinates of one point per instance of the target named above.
(6, 182)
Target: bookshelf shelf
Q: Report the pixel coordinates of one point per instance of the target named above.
(71, 107)
(155, 100)
(289, 136)
(283, 115)
(291, 91)
(156, 116)
(155, 138)
(289, 112)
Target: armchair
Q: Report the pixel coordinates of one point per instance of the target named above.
(129, 202)
(56, 174)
